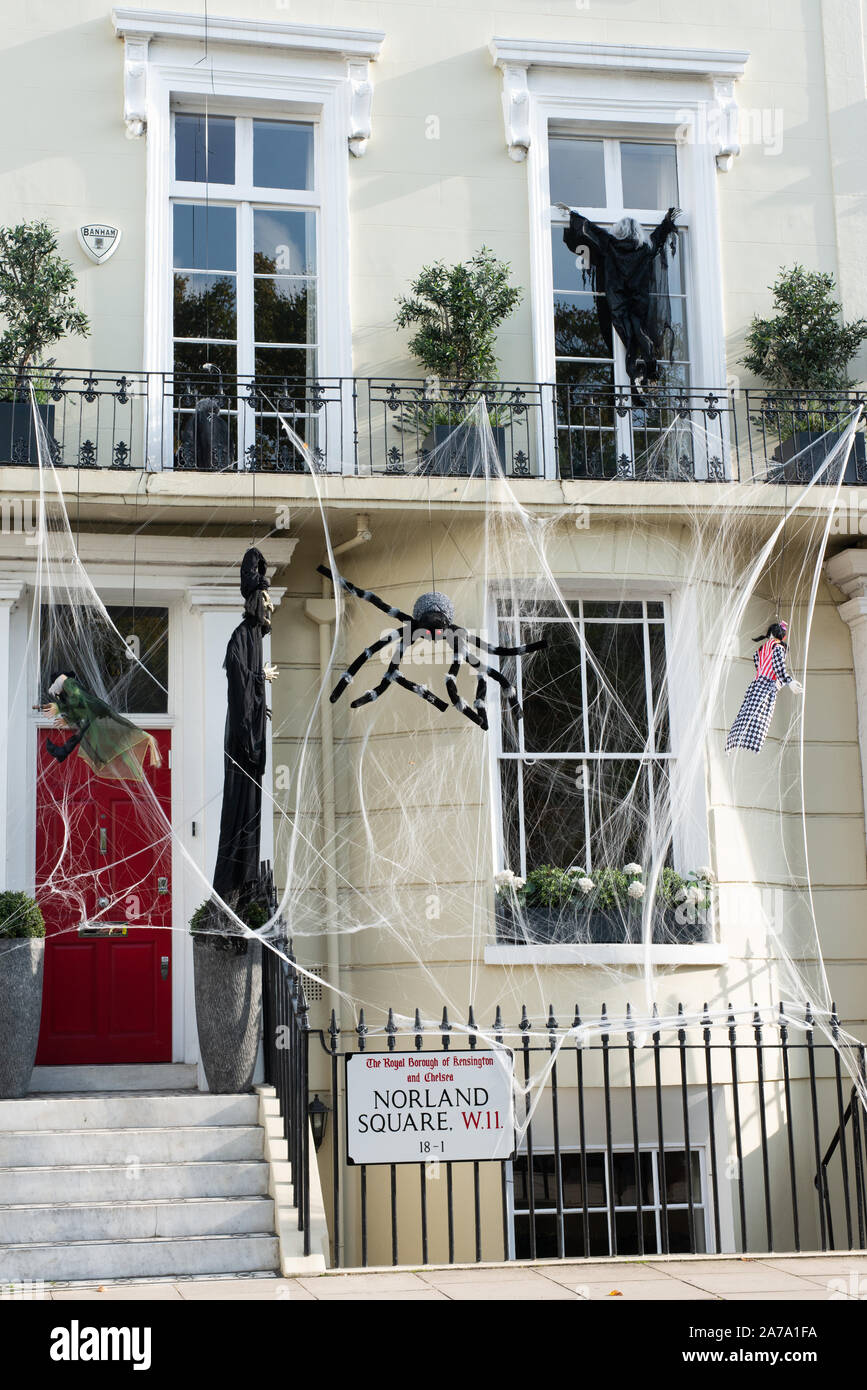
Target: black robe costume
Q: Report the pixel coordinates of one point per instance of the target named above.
(204, 443)
(631, 283)
(245, 745)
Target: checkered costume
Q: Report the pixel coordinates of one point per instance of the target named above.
(754, 717)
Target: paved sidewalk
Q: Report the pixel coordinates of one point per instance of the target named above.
(788, 1278)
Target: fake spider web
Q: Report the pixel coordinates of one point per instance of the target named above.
(399, 854)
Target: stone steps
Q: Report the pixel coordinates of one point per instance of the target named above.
(98, 1261)
(50, 1223)
(198, 1143)
(118, 1184)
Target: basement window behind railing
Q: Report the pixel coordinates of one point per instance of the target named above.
(611, 1199)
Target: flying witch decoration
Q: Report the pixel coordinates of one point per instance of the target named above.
(754, 717)
(113, 747)
(245, 745)
(628, 270)
(433, 615)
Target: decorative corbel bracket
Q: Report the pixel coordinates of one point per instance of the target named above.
(135, 81)
(725, 114)
(516, 110)
(360, 105)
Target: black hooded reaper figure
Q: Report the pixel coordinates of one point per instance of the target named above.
(629, 272)
(245, 743)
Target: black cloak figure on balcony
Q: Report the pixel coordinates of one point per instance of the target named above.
(629, 273)
(205, 434)
(245, 746)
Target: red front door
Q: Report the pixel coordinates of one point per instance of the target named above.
(103, 874)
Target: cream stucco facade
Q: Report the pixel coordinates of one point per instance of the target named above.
(431, 122)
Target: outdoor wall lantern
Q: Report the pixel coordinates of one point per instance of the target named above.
(318, 1112)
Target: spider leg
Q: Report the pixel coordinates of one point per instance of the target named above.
(476, 664)
(388, 679)
(475, 712)
(353, 669)
(523, 650)
(423, 691)
(365, 594)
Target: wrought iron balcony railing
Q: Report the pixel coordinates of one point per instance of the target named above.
(369, 426)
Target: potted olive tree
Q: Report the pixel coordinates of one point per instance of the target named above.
(804, 351)
(456, 311)
(227, 969)
(37, 302)
(22, 949)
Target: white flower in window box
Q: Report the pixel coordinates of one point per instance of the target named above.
(633, 869)
(637, 890)
(706, 875)
(505, 880)
(586, 885)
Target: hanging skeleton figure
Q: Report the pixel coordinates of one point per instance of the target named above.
(432, 616)
(754, 717)
(628, 270)
(110, 745)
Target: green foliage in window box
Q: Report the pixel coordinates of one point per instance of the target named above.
(20, 916)
(604, 889)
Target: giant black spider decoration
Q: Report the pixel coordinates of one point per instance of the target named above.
(432, 616)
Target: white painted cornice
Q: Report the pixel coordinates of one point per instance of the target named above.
(717, 69)
(690, 62)
(303, 38)
(354, 49)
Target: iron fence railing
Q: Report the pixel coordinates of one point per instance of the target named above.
(693, 1135)
(285, 1044)
(369, 426)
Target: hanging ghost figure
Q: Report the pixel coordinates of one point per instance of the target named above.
(112, 746)
(754, 717)
(628, 270)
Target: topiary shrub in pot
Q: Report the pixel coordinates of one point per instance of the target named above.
(38, 307)
(227, 971)
(22, 951)
(456, 311)
(804, 352)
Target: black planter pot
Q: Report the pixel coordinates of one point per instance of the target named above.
(21, 961)
(228, 987)
(566, 926)
(18, 443)
(813, 455)
(452, 457)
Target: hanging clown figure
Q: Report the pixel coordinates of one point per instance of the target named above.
(110, 745)
(754, 717)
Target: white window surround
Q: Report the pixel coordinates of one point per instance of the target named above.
(690, 840)
(316, 73)
(682, 95)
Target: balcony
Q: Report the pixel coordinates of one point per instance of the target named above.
(368, 427)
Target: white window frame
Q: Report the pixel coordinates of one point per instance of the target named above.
(587, 759)
(690, 837)
(636, 94)
(303, 71)
(703, 1201)
(247, 199)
